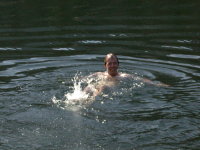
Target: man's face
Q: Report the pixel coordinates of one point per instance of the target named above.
(112, 66)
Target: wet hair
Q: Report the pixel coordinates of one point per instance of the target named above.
(110, 55)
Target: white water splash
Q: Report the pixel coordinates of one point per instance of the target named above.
(78, 98)
(75, 99)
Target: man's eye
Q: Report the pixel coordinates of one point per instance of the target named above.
(113, 63)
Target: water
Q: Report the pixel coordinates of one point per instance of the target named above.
(46, 47)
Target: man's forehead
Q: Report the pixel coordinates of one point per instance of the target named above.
(111, 58)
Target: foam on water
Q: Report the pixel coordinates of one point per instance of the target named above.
(77, 98)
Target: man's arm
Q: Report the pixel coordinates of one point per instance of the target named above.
(145, 80)
(153, 83)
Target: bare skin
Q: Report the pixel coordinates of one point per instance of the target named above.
(111, 76)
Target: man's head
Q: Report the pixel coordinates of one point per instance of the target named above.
(111, 64)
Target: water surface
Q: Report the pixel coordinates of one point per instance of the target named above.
(45, 45)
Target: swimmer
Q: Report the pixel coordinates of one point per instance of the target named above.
(111, 76)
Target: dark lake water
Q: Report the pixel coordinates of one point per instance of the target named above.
(47, 46)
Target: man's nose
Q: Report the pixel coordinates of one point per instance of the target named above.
(112, 64)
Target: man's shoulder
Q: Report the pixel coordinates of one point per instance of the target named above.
(100, 72)
(125, 75)
(96, 74)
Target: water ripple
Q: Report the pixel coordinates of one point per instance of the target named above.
(184, 56)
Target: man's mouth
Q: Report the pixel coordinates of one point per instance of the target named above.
(112, 69)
